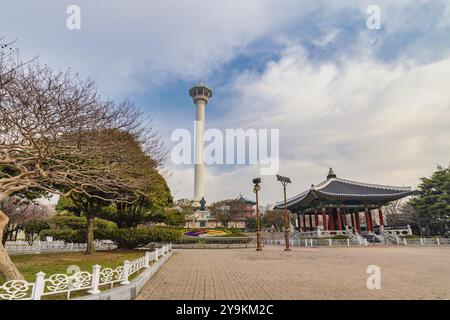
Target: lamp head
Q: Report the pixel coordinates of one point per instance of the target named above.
(283, 179)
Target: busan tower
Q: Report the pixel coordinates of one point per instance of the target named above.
(200, 93)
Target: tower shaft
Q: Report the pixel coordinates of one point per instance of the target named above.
(200, 94)
(199, 145)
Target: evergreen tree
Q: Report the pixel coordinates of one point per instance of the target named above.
(433, 201)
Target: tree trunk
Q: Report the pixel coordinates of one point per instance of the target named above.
(90, 248)
(7, 268)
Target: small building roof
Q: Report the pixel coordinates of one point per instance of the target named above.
(242, 199)
(342, 191)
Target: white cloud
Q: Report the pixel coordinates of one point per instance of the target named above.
(372, 121)
(128, 45)
(377, 122)
(328, 38)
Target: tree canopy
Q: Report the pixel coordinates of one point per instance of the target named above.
(432, 203)
(59, 136)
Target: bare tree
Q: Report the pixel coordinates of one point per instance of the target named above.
(58, 135)
(392, 212)
(186, 208)
(227, 211)
(20, 211)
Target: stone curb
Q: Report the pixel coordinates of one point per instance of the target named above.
(130, 291)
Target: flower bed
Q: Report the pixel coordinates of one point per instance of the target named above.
(203, 233)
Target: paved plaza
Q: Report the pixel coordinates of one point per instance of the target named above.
(303, 273)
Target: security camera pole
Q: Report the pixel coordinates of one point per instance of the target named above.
(256, 188)
(284, 181)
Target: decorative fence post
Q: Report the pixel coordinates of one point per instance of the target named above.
(95, 279)
(170, 246)
(126, 267)
(421, 241)
(329, 242)
(348, 242)
(438, 242)
(156, 254)
(147, 259)
(306, 242)
(404, 241)
(39, 286)
(409, 229)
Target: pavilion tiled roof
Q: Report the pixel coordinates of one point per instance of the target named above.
(341, 190)
(242, 199)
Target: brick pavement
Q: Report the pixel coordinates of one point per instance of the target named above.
(304, 273)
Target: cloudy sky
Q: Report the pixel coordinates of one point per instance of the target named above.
(372, 104)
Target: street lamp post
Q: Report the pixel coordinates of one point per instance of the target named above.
(284, 181)
(256, 189)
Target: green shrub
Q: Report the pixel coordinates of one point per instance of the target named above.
(76, 236)
(63, 235)
(340, 237)
(68, 222)
(409, 236)
(161, 234)
(78, 223)
(130, 238)
(33, 228)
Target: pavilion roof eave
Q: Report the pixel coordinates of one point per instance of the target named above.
(305, 199)
(342, 190)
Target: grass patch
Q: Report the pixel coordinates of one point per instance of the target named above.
(51, 263)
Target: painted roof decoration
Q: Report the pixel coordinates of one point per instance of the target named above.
(335, 189)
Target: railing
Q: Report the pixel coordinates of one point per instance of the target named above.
(215, 243)
(319, 233)
(23, 247)
(83, 280)
(423, 241)
(399, 232)
(319, 242)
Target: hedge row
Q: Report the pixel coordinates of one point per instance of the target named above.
(130, 238)
(78, 223)
(126, 238)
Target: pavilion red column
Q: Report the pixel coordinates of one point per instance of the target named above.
(331, 220)
(310, 222)
(299, 222)
(371, 221)
(352, 217)
(304, 222)
(368, 222)
(339, 219)
(324, 218)
(358, 223)
(380, 215)
(344, 218)
(316, 218)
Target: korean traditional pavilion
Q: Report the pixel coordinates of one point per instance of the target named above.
(338, 204)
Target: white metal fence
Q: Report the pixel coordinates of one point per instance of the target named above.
(23, 247)
(423, 241)
(316, 242)
(83, 280)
